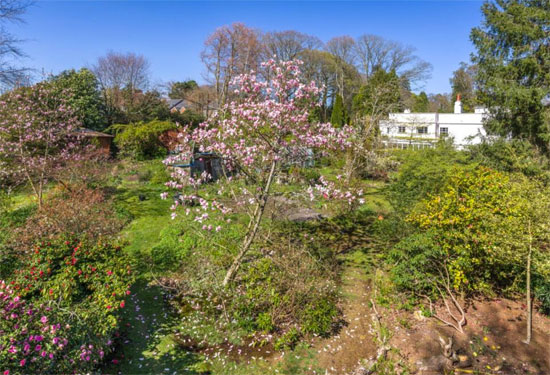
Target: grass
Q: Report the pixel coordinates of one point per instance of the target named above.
(146, 345)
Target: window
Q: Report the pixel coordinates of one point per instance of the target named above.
(443, 132)
(402, 129)
(388, 130)
(422, 130)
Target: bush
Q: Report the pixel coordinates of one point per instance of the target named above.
(423, 172)
(79, 212)
(319, 316)
(31, 340)
(274, 288)
(512, 156)
(142, 140)
(474, 236)
(288, 340)
(82, 285)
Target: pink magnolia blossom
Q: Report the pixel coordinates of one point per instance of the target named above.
(266, 128)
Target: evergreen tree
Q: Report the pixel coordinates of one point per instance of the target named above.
(179, 90)
(421, 103)
(338, 116)
(513, 62)
(81, 90)
(380, 95)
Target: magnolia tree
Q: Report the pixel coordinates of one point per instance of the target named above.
(266, 129)
(37, 136)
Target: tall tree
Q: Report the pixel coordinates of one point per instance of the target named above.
(379, 96)
(440, 103)
(122, 71)
(513, 61)
(338, 116)
(374, 101)
(83, 95)
(180, 90)
(228, 52)
(373, 52)
(288, 44)
(462, 83)
(121, 76)
(267, 128)
(10, 73)
(420, 103)
(320, 67)
(342, 48)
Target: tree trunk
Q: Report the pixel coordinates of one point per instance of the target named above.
(528, 286)
(253, 228)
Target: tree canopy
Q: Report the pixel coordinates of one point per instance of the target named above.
(513, 62)
(83, 95)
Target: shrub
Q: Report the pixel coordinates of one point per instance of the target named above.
(318, 317)
(474, 236)
(31, 340)
(82, 285)
(79, 212)
(512, 156)
(142, 140)
(271, 294)
(288, 340)
(423, 172)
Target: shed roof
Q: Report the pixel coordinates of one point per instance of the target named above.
(92, 133)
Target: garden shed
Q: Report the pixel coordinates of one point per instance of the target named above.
(204, 162)
(103, 140)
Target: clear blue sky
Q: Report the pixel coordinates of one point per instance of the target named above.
(62, 35)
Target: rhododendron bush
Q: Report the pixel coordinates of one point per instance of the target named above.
(257, 136)
(60, 310)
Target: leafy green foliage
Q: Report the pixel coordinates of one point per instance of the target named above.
(474, 232)
(319, 316)
(179, 90)
(420, 102)
(142, 140)
(462, 83)
(422, 172)
(338, 117)
(84, 96)
(515, 156)
(380, 95)
(83, 285)
(288, 340)
(513, 61)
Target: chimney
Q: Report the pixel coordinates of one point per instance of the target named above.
(458, 104)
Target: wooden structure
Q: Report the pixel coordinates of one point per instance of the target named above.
(103, 140)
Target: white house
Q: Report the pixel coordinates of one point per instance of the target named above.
(418, 130)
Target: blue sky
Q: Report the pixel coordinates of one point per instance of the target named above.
(61, 35)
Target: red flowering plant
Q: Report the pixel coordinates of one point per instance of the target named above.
(83, 284)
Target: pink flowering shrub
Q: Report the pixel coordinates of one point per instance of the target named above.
(37, 136)
(30, 340)
(257, 136)
(76, 289)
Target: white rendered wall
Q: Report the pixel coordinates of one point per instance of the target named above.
(461, 126)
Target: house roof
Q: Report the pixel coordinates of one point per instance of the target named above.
(177, 103)
(92, 133)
